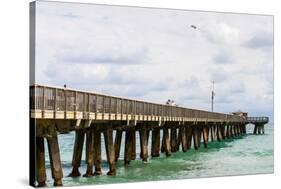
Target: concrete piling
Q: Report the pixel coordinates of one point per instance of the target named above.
(188, 134)
(109, 147)
(183, 138)
(89, 152)
(128, 148)
(212, 132)
(77, 153)
(223, 132)
(155, 143)
(196, 140)
(40, 162)
(54, 153)
(133, 144)
(173, 138)
(117, 143)
(219, 136)
(97, 152)
(166, 143)
(215, 132)
(143, 142)
(206, 136)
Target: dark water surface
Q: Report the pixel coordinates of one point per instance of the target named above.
(249, 154)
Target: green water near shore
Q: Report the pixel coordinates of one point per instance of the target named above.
(248, 154)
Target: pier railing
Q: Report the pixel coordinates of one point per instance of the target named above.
(60, 103)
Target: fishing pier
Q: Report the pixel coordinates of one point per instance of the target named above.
(56, 111)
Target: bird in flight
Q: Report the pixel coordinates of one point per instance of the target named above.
(193, 26)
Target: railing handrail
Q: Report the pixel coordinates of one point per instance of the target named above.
(175, 111)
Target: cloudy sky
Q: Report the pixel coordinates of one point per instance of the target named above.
(154, 54)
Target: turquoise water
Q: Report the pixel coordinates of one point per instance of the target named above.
(249, 154)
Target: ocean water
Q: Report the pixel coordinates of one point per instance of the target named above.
(248, 154)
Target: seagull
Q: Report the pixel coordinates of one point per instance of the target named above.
(193, 26)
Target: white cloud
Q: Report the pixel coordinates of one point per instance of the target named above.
(154, 54)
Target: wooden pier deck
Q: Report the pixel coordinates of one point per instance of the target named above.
(56, 110)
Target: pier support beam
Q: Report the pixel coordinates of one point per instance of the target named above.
(219, 136)
(239, 129)
(243, 127)
(223, 132)
(173, 138)
(40, 162)
(215, 132)
(166, 142)
(183, 138)
(133, 143)
(196, 137)
(143, 142)
(128, 147)
(77, 153)
(54, 153)
(212, 131)
(206, 135)
(117, 143)
(231, 131)
(188, 133)
(97, 154)
(89, 152)
(110, 154)
(228, 131)
(155, 143)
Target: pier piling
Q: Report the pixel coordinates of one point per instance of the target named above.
(206, 136)
(173, 138)
(89, 152)
(155, 142)
(183, 138)
(143, 141)
(117, 143)
(97, 152)
(40, 162)
(188, 134)
(133, 143)
(128, 148)
(77, 152)
(54, 153)
(109, 147)
(166, 143)
(196, 140)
